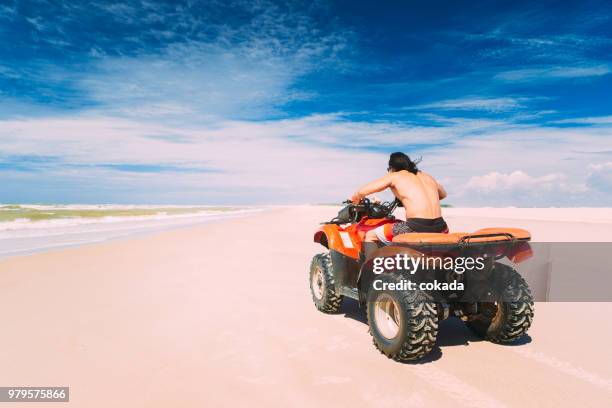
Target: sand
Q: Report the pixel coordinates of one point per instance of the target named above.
(221, 315)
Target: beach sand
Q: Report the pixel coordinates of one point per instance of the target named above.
(221, 315)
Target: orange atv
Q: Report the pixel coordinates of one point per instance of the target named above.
(404, 306)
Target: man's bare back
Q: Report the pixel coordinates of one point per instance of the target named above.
(419, 193)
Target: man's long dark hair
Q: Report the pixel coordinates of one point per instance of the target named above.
(400, 161)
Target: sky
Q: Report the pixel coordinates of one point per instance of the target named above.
(261, 102)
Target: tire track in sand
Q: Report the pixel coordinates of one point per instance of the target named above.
(450, 385)
(566, 368)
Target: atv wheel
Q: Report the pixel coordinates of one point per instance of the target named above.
(322, 285)
(403, 324)
(509, 318)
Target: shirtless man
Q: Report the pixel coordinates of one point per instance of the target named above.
(419, 193)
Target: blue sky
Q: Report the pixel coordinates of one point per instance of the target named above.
(290, 102)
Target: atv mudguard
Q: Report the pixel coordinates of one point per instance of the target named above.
(333, 238)
(344, 252)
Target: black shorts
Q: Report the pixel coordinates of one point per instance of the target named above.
(420, 225)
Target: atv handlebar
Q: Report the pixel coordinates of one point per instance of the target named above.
(353, 213)
(364, 201)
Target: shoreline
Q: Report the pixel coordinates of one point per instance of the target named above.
(120, 230)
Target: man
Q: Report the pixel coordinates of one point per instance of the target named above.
(419, 193)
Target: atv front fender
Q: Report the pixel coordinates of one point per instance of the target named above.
(334, 238)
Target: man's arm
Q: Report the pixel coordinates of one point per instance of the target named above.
(371, 188)
(441, 191)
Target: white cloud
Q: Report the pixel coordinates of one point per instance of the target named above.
(596, 120)
(550, 73)
(476, 104)
(196, 82)
(7, 11)
(245, 72)
(311, 159)
(517, 181)
(600, 177)
(519, 188)
(180, 63)
(199, 93)
(511, 43)
(254, 163)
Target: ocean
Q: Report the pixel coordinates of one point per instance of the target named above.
(29, 228)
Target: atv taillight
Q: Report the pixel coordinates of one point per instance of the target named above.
(520, 252)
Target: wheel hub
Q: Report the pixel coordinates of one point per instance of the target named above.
(387, 316)
(318, 283)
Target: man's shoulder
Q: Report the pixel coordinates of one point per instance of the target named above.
(424, 175)
(407, 174)
(402, 177)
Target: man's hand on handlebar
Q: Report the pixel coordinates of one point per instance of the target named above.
(360, 199)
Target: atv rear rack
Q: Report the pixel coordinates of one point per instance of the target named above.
(470, 241)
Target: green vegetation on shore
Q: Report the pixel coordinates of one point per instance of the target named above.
(14, 212)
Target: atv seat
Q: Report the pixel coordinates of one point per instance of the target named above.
(481, 235)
